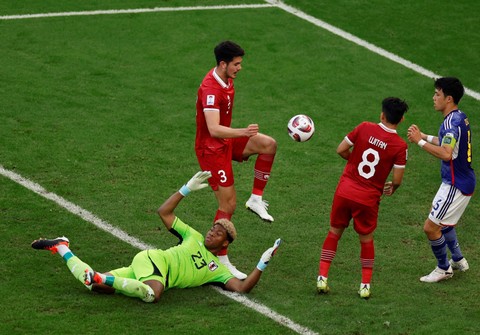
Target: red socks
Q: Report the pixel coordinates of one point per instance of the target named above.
(329, 249)
(263, 166)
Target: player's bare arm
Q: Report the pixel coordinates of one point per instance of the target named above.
(166, 209)
(444, 152)
(212, 119)
(391, 186)
(246, 285)
(343, 149)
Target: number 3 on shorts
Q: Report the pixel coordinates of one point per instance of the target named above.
(222, 175)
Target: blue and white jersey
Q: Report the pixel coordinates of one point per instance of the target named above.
(455, 130)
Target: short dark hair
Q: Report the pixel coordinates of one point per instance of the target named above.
(450, 86)
(226, 51)
(394, 108)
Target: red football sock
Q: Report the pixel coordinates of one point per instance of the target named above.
(367, 257)
(263, 166)
(329, 249)
(222, 215)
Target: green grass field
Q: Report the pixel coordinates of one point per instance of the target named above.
(100, 111)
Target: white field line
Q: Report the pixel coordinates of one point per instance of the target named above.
(363, 43)
(120, 234)
(129, 11)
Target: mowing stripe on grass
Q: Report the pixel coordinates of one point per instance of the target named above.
(129, 11)
(363, 43)
(270, 3)
(120, 234)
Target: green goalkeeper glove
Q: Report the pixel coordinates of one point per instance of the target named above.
(195, 183)
(267, 255)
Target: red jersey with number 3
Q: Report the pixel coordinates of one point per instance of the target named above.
(376, 150)
(214, 95)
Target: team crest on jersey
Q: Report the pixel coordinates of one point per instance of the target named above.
(210, 100)
(212, 266)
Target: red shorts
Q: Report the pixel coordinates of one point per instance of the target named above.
(219, 162)
(364, 217)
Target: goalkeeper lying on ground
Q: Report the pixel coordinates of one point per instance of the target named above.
(191, 263)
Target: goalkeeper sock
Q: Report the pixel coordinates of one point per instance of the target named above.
(329, 249)
(130, 287)
(77, 267)
(367, 257)
(439, 248)
(452, 243)
(263, 166)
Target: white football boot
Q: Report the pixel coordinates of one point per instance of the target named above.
(438, 275)
(259, 206)
(461, 265)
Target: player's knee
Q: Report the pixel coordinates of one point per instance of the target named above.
(271, 145)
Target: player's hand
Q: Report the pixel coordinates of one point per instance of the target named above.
(252, 130)
(197, 182)
(388, 188)
(268, 254)
(414, 134)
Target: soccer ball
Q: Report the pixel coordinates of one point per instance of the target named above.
(301, 128)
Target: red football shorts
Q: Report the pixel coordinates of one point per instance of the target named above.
(219, 162)
(364, 217)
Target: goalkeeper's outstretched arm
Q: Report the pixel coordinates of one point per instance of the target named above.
(246, 285)
(166, 210)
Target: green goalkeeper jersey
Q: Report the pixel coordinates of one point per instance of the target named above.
(190, 264)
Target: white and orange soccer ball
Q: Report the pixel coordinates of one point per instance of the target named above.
(301, 128)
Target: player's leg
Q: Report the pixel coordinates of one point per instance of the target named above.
(143, 279)
(339, 220)
(447, 208)
(458, 262)
(265, 147)
(148, 291)
(439, 248)
(365, 222)
(222, 184)
(226, 198)
(367, 259)
(61, 245)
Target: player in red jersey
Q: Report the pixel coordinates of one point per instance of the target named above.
(217, 144)
(377, 149)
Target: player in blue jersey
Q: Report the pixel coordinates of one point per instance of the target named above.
(453, 146)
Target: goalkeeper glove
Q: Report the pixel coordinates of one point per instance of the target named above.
(267, 255)
(195, 183)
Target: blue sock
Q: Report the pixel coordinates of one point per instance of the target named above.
(439, 248)
(452, 243)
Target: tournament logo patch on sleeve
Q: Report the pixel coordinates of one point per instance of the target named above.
(449, 139)
(210, 100)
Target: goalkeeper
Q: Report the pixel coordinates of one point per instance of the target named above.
(191, 263)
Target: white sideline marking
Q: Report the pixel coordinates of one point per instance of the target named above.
(382, 52)
(121, 235)
(129, 11)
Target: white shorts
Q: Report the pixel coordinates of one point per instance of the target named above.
(448, 205)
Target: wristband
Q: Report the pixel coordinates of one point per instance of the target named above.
(261, 266)
(421, 143)
(184, 190)
(430, 138)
